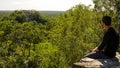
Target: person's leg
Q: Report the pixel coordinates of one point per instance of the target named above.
(96, 55)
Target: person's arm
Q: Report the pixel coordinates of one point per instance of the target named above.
(105, 41)
(95, 49)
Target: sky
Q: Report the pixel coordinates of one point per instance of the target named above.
(50, 5)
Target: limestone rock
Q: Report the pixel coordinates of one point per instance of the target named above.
(98, 63)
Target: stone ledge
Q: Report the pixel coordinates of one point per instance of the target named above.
(98, 63)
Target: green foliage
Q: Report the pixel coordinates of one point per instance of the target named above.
(50, 56)
(75, 33)
(25, 16)
(107, 7)
(29, 40)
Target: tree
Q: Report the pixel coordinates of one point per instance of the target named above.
(18, 16)
(33, 15)
(75, 32)
(106, 7)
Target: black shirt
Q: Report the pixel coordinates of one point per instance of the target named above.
(110, 43)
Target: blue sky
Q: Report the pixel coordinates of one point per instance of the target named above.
(58, 5)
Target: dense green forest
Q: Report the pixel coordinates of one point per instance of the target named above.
(30, 39)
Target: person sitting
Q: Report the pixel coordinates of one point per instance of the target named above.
(107, 49)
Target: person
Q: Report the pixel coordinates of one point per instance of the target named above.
(107, 49)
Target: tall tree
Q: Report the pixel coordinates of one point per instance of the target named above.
(106, 7)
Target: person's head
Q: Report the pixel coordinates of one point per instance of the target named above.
(106, 21)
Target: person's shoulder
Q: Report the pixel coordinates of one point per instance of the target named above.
(111, 29)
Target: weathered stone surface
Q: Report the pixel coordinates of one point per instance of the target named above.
(98, 63)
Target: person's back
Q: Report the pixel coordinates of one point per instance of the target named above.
(112, 43)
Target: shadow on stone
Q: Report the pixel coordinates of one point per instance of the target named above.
(109, 63)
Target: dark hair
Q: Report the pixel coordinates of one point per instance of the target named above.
(106, 20)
